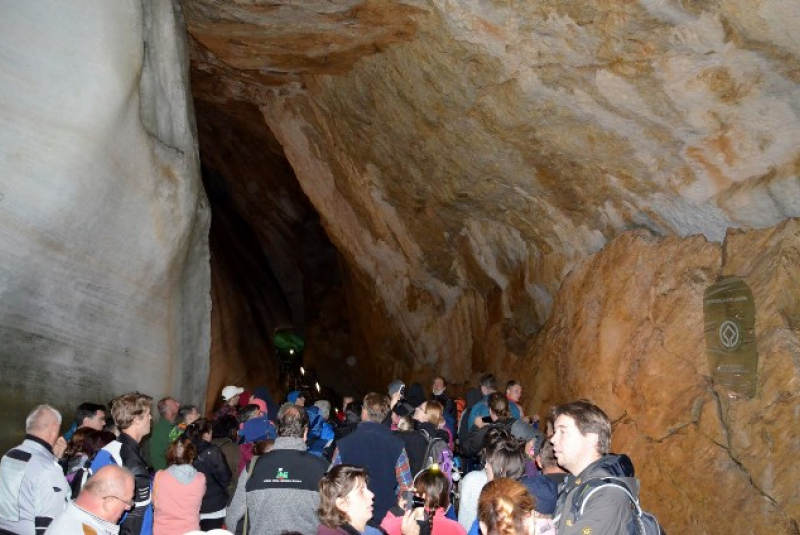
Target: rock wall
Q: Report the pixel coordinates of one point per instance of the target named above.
(469, 157)
(104, 278)
(627, 333)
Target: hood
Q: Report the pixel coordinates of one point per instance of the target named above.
(614, 465)
(619, 466)
(184, 473)
(473, 396)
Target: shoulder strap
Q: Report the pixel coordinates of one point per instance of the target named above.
(594, 485)
(246, 513)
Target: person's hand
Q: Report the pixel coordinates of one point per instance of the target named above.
(409, 524)
(59, 447)
(405, 495)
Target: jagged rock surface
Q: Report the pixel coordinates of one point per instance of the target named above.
(627, 333)
(479, 166)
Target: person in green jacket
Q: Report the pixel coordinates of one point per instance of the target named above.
(159, 439)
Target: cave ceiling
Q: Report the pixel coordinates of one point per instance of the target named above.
(472, 151)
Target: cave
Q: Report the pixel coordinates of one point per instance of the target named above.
(541, 190)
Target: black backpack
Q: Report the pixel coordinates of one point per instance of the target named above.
(643, 523)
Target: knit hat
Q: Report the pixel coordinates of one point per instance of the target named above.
(395, 387)
(403, 409)
(229, 391)
(415, 394)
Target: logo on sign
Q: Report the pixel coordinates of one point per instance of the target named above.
(729, 334)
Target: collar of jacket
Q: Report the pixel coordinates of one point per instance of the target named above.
(289, 443)
(41, 442)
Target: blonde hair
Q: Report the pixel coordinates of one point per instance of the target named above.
(434, 412)
(127, 407)
(504, 506)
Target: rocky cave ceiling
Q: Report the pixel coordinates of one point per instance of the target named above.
(471, 151)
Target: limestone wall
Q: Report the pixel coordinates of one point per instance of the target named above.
(104, 272)
(627, 333)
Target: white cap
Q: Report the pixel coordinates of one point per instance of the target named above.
(229, 391)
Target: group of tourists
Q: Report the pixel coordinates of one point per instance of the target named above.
(407, 462)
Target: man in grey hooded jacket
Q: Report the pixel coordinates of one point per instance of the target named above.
(581, 442)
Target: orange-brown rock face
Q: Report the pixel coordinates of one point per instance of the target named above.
(539, 189)
(627, 333)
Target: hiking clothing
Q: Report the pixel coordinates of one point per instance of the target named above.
(281, 494)
(177, 494)
(33, 490)
(608, 511)
(77, 521)
(373, 446)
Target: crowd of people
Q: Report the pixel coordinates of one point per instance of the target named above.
(407, 462)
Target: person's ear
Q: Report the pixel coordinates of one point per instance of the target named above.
(340, 503)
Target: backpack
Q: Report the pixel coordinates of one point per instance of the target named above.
(643, 523)
(437, 452)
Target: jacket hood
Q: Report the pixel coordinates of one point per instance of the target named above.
(613, 465)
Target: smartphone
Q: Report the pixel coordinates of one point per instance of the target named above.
(408, 496)
(412, 500)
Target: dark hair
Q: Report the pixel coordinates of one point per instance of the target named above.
(589, 418)
(225, 427)
(511, 383)
(96, 441)
(504, 505)
(260, 447)
(75, 445)
(87, 410)
(488, 381)
(292, 421)
(506, 458)
(377, 406)
(182, 451)
(546, 455)
(434, 485)
(498, 404)
(247, 412)
(338, 483)
(352, 414)
(196, 430)
(495, 434)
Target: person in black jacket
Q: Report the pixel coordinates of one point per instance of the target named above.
(499, 416)
(131, 413)
(211, 462)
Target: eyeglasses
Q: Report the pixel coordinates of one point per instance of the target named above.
(129, 503)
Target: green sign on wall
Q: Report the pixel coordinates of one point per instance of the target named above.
(730, 320)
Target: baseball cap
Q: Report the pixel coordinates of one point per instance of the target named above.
(229, 391)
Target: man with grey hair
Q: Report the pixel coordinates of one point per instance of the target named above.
(99, 506)
(33, 490)
(281, 492)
